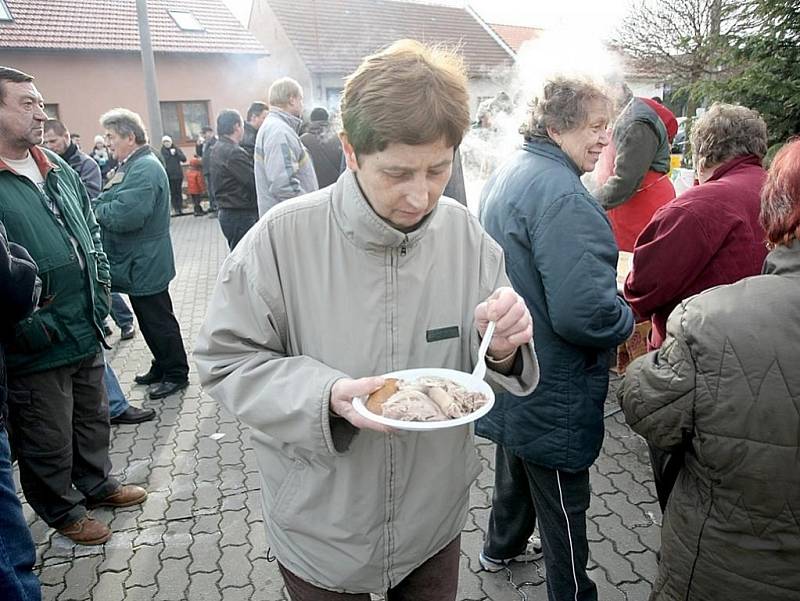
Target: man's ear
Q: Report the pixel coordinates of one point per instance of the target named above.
(349, 152)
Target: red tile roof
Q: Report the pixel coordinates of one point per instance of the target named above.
(112, 25)
(332, 36)
(516, 35)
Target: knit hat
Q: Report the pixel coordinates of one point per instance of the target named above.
(166, 139)
(319, 114)
(98, 139)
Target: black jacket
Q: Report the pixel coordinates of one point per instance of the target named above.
(326, 152)
(172, 161)
(18, 296)
(249, 139)
(231, 174)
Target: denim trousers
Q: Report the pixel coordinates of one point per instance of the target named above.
(120, 312)
(117, 403)
(235, 223)
(17, 553)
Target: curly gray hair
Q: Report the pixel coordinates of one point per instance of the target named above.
(125, 123)
(726, 131)
(564, 106)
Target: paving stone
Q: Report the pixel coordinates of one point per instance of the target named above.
(617, 568)
(140, 593)
(110, 586)
(605, 589)
(634, 591)
(203, 587)
(205, 553)
(645, 564)
(625, 540)
(173, 579)
(232, 565)
(81, 578)
(144, 565)
(234, 527)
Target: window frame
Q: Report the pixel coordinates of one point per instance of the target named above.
(184, 13)
(184, 139)
(5, 13)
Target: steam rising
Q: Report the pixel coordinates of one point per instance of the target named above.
(555, 53)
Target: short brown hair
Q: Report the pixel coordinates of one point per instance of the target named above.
(564, 106)
(56, 126)
(407, 93)
(780, 197)
(12, 75)
(727, 131)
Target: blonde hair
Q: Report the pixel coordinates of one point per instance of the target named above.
(283, 90)
(408, 93)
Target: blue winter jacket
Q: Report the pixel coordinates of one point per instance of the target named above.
(561, 257)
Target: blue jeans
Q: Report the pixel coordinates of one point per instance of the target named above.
(117, 403)
(17, 553)
(120, 311)
(235, 223)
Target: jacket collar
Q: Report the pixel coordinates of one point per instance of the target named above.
(784, 260)
(749, 159)
(41, 159)
(71, 150)
(544, 146)
(362, 225)
(139, 152)
(288, 118)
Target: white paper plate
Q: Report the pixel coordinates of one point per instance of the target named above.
(460, 377)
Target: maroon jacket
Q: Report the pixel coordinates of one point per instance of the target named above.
(708, 236)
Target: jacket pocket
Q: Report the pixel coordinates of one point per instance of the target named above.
(35, 333)
(287, 492)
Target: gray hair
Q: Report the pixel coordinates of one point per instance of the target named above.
(125, 123)
(726, 131)
(283, 90)
(564, 106)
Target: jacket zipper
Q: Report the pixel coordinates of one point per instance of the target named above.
(391, 439)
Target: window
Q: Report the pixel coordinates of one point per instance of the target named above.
(183, 120)
(51, 110)
(185, 20)
(5, 14)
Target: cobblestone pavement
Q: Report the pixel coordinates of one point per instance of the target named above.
(199, 536)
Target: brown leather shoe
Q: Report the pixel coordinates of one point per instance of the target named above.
(124, 496)
(87, 531)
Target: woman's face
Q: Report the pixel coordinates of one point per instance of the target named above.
(584, 144)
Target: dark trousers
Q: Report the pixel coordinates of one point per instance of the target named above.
(666, 467)
(212, 199)
(60, 432)
(235, 223)
(162, 334)
(525, 492)
(196, 203)
(434, 580)
(17, 553)
(175, 194)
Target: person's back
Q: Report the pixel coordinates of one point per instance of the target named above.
(326, 152)
(730, 530)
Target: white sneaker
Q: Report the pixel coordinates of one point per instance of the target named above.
(531, 553)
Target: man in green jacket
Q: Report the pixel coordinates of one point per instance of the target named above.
(58, 410)
(133, 211)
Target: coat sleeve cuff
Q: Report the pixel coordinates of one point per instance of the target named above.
(337, 432)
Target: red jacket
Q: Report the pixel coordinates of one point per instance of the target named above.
(708, 236)
(195, 183)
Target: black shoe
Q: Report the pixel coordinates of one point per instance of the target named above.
(149, 378)
(166, 388)
(128, 332)
(107, 329)
(134, 415)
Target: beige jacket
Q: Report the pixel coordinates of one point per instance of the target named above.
(320, 289)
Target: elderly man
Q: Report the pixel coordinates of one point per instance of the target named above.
(372, 274)
(283, 166)
(232, 177)
(58, 409)
(133, 211)
(256, 114)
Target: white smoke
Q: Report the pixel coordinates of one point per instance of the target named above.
(569, 53)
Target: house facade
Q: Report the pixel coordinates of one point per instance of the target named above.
(85, 58)
(320, 43)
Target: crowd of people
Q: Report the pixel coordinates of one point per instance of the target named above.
(315, 218)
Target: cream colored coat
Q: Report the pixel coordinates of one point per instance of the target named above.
(321, 289)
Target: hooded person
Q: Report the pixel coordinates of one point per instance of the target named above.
(324, 146)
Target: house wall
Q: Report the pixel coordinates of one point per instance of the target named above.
(284, 61)
(86, 84)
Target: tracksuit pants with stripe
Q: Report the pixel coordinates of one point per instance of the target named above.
(524, 493)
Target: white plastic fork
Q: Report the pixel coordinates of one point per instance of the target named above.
(480, 366)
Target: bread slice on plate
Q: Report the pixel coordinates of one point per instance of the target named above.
(377, 398)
